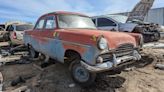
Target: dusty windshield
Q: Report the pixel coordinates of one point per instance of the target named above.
(75, 21)
(2, 27)
(23, 27)
(119, 18)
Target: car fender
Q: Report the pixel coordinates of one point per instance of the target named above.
(127, 27)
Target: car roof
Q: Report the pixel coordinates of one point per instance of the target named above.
(23, 24)
(115, 17)
(65, 12)
(109, 15)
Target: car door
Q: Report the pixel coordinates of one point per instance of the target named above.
(10, 30)
(2, 31)
(2, 28)
(106, 24)
(36, 38)
(49, 45)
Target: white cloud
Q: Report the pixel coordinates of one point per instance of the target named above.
(27, 9)
(35, 8)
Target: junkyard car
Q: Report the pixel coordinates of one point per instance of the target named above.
(3, 33)
(72, 37)
(16, 31)
(149, 31)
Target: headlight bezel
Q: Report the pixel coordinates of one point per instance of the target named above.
(141, 41)
(102, 41)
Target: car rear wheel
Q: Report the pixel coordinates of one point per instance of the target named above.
(81, 75)
(32, 53)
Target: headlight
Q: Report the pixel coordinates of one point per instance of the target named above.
(141, 41)
(99, 60)
(102, 44)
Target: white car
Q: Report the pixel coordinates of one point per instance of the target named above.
(16, 32)
(149, 31)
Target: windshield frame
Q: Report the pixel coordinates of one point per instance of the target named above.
(57, 19)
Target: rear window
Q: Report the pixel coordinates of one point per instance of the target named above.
(23, 27)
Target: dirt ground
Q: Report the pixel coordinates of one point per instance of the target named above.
(140, 76)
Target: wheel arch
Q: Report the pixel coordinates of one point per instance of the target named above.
(70, 52)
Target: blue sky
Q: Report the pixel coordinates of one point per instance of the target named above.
(30, 10)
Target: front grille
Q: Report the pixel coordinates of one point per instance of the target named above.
(123, 50)
(107, 57)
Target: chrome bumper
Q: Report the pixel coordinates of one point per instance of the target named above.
(112, 64)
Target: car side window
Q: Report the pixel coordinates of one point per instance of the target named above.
(94, 21)
(10, 28)
(7, 28)
(40, 24)
(104, 22)
(50, 22)
(2, 27)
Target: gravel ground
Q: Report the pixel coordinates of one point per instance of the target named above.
(140, 76)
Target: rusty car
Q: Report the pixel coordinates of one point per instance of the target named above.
(73, 38)
(3, 33)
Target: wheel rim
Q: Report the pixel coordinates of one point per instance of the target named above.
(81, 74)
(156, 35)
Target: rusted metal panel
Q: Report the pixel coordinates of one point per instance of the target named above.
(140, 10)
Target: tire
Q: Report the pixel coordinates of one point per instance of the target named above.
(156, 36)
(6, 37)
(81, 75)
(32, 53)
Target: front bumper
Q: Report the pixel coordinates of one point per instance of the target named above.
(114, 63)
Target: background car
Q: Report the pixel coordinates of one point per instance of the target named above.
(119, 23)
(16, 32)
(3, 33)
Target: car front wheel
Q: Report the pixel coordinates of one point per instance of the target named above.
(81, 75)
(156, 36)
(33, 54)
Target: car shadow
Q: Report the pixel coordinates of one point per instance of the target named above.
(105, 84)
(145, 61)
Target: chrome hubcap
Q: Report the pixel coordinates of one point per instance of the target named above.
(81, 74)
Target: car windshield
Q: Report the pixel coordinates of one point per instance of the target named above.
(2, 27)
(23, 27)
(119, 18)
(75, 21)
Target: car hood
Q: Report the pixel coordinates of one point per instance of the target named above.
(127, 27)
(115, 39)
(162, 28)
